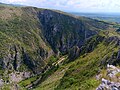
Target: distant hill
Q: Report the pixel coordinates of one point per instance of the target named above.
(115, 17)
(18, 5)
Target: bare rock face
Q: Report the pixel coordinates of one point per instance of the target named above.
(17, 57)
(1, 82)
(18, 76)
(114, 82)
(63, 32)
(108, 85)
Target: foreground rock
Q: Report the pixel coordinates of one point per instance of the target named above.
(108, 85)
(114, 82)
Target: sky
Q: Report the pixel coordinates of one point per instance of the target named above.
(72, 5)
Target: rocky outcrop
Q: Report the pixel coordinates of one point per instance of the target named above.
(88, 46)
(108, 85)
(18, 64)
(114, 58)
(114, 82)
(1, 82)
(18, 76)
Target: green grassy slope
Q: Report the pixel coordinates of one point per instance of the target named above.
(81, 73)
(21, 39)
(23, 29)
(34, 40)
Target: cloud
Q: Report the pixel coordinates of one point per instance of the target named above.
(73, 5)
(12, 1)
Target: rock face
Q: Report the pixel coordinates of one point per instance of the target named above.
(1, 82)
(108, 85)
(114, 58)
(112, 71)
(18, 76)
(114, 82)
(63, 32)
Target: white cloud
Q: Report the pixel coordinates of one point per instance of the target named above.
(12, 1)
(73, 5)
(95, 5)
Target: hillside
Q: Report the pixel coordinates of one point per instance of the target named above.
(81, 73)
(108, 17)
(48, 49)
